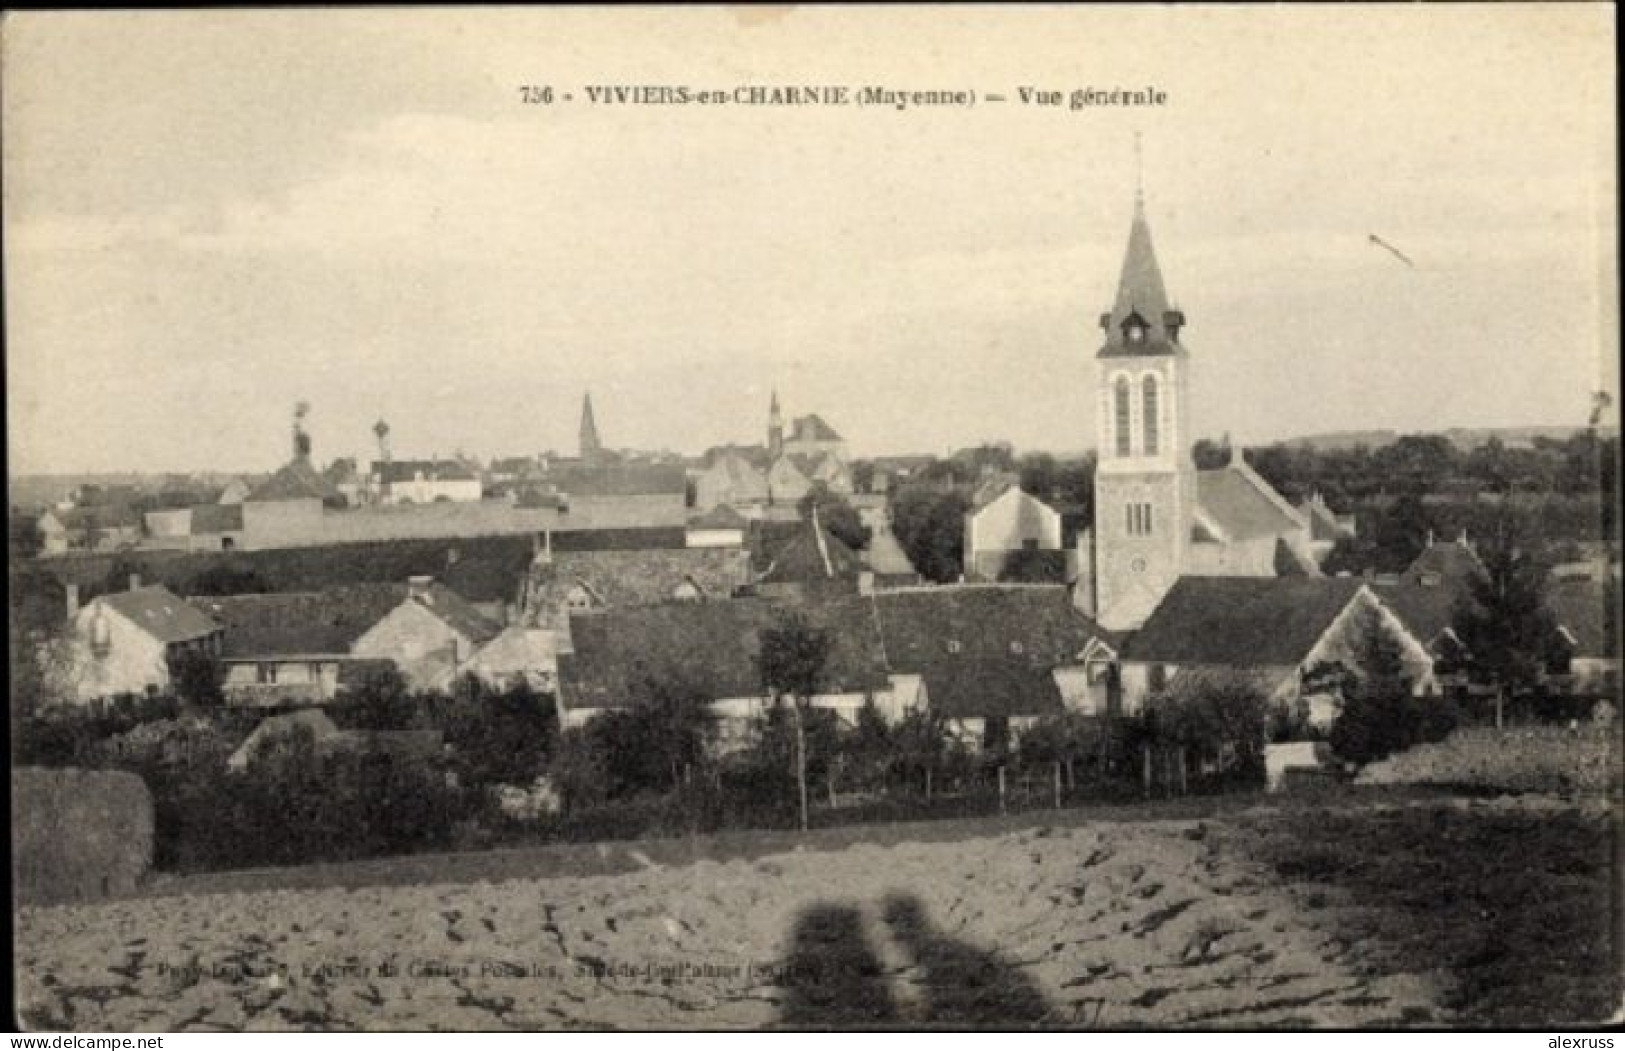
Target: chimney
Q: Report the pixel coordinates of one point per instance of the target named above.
(135, 581)
(72, 591)
(418, 586)
(1430, 538)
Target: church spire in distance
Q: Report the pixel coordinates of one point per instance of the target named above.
(591, 447)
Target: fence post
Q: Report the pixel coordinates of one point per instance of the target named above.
(928, 784)
(1183, 787)
(1057, 785)
(1146, 752)
(1001, 789)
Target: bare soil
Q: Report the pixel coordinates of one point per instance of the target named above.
(1365, 911)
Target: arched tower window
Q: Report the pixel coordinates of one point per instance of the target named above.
(1120, 416)
(1149, 409)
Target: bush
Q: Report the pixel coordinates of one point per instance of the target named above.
(1218, 717)
(497, 737)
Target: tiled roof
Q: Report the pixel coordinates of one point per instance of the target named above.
(812, 428)
(304, 623)
(926, 628)
(458, 613)
(1242, 505)
(750, 455)
(886, 557)
(1450, 560)
(625, 579)
(1425, 611)
(619, 480)
(711, 648)
(1589, 611)
(992, 689)
(1240, 620)
(815, 554)
(110, 516)
(297, 480)
(162, 614)
(394, 472)
(518, 649)
(216, 518)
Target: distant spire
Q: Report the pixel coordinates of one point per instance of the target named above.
(591, 447)
(775, 428)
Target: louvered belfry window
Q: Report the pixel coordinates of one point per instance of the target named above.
(1120, 417)
(1152, 435)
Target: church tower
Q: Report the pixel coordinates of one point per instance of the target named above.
(592, 450)
(1145, 482)
(775, 429)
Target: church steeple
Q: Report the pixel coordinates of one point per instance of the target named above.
(1141, 320)
(591, 448)
(775, 428)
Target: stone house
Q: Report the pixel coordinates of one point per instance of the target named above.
(124, 642)
(429, 634)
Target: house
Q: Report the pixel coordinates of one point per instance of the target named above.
(561, 584)
(732, 478)
(722, 526)
(994, 658)
(893, 471)
(1004, 520)
(519, 654)
(109, 527)
(428, 634)
(813, 561)
(124, 642)
(811, 436)
(1588, 621)
(343, 475)
(424, 482)
(711, 650)
(235, 491)
(1284, 630)
(886, 559)
(295, 648)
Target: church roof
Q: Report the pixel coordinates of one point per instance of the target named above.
(813, 428)
(815, 554)
(1243, 505)
(1139, 291)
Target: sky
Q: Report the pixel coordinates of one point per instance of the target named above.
(211, 216)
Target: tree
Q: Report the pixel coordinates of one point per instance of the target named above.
(922, 743)
(652, 743)
(225, 578)
(1503, 620)
(930, 525)
(868, 749)
(196, 677)
(1379, 715)
(497, 736)
(379, 700)
(1217, 715)
(836, 515)
(793, 661)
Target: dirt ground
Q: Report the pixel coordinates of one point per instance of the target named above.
(1218, 922)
